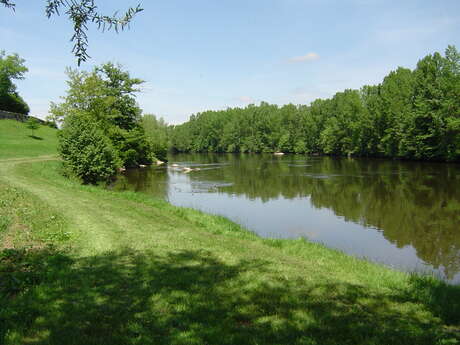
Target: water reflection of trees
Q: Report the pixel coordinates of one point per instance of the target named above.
(153, 181)
(414, 204)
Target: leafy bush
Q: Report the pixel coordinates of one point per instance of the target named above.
(160, 150)
(157, 135)
(86, 151)
(33, 124)
(132, 146)
(107, 98)
(13, 103)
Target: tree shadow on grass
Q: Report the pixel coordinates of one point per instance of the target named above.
(192, 297)
(35, 137)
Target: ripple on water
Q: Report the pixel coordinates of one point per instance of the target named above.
(208, 186)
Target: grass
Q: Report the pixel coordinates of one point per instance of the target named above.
(83, 265)
(16, 140)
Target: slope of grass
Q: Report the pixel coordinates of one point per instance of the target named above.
(16, 140)
(83, 265)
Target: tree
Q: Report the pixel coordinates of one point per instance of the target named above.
(32, 124)
(81, 13)
(11, 68)
(122, 88)
(86, 151)
(395, 104)
(107, 92)
(106, 96)
(156, 131)
(431, 130)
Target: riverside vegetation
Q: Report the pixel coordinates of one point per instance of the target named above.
(102, 126)
(83, 265)
(410, 115)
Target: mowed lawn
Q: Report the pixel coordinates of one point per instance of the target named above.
(85, 265)
(16, 140)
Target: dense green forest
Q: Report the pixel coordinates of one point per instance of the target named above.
(412, 114)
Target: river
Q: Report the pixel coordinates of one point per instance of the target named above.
(403, 214)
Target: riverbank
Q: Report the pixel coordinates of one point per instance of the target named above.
(83, 265)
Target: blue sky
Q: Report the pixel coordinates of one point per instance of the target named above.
(208, 54)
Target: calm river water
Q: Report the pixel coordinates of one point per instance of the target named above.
(403, 214)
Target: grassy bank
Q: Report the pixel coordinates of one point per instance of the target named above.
(16, 140)
(83, 265)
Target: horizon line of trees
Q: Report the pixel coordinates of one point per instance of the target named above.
(411, 114)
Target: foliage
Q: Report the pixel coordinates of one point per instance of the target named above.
(156, 131)
(86, 151)
(50, 124)
(81, 13)
(14, 103)
(11, 68)
(121, 89)
(106, 96)
(132, 146)
(411, 114)
(32, 124)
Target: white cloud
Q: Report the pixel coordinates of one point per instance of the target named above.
(307, 57)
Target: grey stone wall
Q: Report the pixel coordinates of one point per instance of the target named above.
(16, 116)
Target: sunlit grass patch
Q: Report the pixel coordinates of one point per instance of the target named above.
(16, 140)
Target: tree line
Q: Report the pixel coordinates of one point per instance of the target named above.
(411, 114)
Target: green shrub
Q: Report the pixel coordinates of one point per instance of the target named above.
(160, 150)
(14, 103)
(156, 132)
(33, 124)
(132, 146)
(86, 151)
